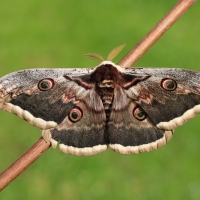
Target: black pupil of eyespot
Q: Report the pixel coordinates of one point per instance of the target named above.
(170, 84)
(74, 115)
(44, 85)
(140, 113)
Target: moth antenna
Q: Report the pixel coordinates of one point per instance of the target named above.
(94, 56)
(115, 52)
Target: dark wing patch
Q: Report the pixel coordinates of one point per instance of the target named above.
(168, 109)
(85, 137)
(128, 135)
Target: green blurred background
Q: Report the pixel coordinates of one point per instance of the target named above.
(55, 34)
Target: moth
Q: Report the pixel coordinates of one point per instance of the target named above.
(85, 111)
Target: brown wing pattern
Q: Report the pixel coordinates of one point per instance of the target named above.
(87, 110)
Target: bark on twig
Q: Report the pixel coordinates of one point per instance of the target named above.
(41, 146)
(23, 162)
(172, 16)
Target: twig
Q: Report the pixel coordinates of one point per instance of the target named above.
(41, 146)
(23, 162)
(176, 12)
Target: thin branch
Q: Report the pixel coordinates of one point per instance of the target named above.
(23, 162)
(176, 12)
(41, 146)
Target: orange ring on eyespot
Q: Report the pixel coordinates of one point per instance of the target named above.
(168, 84)
(46, 84)
(139, 114)
(75, 114)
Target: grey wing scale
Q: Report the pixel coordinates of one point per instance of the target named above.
(168, 109)
(85, 137)
(128, 135)
(87, 110)
(19, 94)
(165, 109)
(49, 110)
